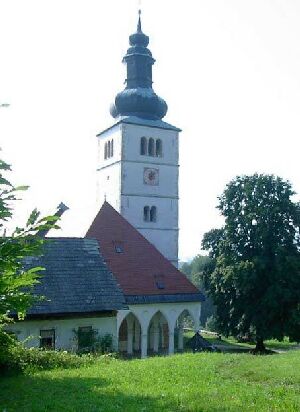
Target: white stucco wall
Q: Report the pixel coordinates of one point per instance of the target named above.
(64, 335)
(109, 170)
(29, 331)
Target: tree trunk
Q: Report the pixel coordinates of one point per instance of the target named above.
(260, 347)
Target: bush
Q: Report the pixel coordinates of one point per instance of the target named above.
(14, 357)
(88, 341)
(105, 343)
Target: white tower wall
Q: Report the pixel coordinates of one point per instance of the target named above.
(123, 181)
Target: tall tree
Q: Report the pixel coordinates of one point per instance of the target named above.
(255, 279)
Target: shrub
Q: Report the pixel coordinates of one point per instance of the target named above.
(14, 357)
(88, 341)
(105, 343)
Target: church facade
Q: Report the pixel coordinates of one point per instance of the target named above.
(121, 279)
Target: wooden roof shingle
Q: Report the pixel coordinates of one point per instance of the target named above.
(76, 279)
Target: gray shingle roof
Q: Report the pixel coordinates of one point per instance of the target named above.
(76, 279)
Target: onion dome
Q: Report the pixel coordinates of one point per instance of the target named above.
(138, 98)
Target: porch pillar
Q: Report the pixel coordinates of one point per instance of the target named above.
(137, 333)
(180, 338)
(155, 337)
(144, 345)
(171, 342)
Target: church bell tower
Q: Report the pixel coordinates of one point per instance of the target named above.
(138, 155)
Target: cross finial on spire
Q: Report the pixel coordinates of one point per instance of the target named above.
(139, 25)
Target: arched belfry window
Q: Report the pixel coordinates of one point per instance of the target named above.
(153, 214)
(151, 147)
(112, 148)
(108, 149)
(146, 213)
(143, 146)
(105, 151)
(158, 148)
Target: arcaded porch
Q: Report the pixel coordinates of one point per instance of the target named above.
(149, 329)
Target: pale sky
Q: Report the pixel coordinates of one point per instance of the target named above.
(228, 69)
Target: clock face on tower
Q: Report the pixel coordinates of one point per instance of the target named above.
(151, 176)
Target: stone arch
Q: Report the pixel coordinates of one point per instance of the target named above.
(129, 335)
(158, 335)
(185, 322)
(187, 312)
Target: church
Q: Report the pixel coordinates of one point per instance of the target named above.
(122, 278)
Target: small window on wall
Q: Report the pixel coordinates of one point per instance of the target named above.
(143, 146)
(85, 337)
(112, 148)
(150, 214)
(109, 149)
(151, 147)
(146, 213)
(153, 214)
(118, 246)
(47, 339)
(159, 281)
(158, 148)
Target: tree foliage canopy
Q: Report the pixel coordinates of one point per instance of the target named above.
(16, 284)
(255, 278)
(194, 272)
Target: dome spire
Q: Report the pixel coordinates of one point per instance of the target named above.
(138, 98)
(139, 25)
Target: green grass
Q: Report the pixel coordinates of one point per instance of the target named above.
(190, 382)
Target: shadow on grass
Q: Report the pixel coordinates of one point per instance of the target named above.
(47, 393)
(223, 345)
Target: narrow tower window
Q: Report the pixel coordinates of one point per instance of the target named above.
(158, 148)
(153, 214)
(112, 148)
(108, 149)
(143, 146)
(151, 147)
(146, 213)
(105, 151)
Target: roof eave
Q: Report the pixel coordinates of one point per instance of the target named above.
(159, 124)
(167, 298)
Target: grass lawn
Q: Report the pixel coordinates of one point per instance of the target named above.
(231, 344)
(189, 382)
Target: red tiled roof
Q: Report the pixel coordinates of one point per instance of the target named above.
(140, 268)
